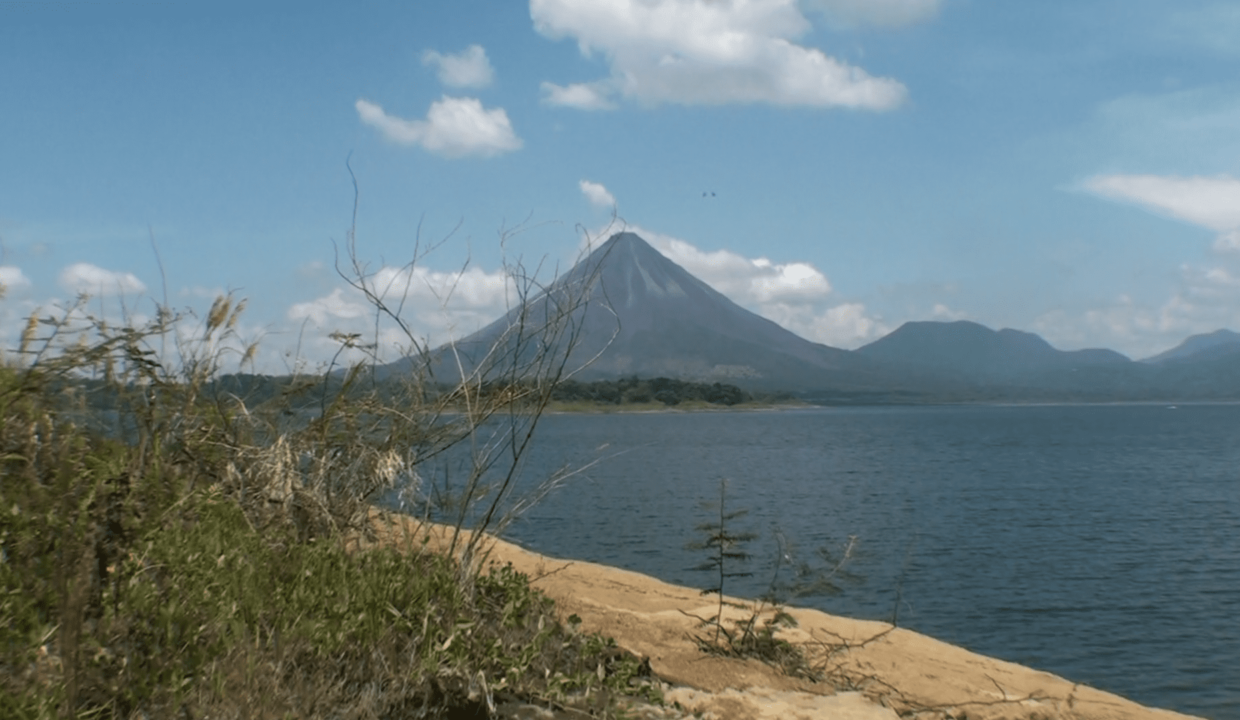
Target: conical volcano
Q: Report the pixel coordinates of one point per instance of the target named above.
(645, 315)
(626, 310)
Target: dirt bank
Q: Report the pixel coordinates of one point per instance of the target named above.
(874, 671)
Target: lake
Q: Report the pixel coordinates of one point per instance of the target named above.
(1100, 543)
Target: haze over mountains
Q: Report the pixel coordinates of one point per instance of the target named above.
(646, 316)
(967, 347)
(1219, 342)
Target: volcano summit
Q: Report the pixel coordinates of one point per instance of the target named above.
(645, 315)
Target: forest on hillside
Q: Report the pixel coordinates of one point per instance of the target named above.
(634, 390)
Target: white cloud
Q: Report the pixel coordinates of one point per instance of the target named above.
(1135, 329)
(469, 68)
(747, 281)
(1204, 299)
(468, 290)
(92, 279)
(580, 96)
(705, 52)
(12, 278)
(438, 306)
(203, 293)
(796, 295)
(1212, 202)
(883, 13)
(1228, 242)
(330, 308)
(943, 312)
(848, 325)
(597, 194)
(454, 127)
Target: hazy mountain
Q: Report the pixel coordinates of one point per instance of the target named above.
(1011, 365)
(1216, 343)
(647, 316)
(643, 315)
(965, 348)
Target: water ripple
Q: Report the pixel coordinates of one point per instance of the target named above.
(1101, 543)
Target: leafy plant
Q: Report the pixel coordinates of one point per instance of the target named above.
(754, 635)
(173, 540)
(724, 549)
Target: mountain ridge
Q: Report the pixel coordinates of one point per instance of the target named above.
(967, 346)
(1213, 342)
(644, 315)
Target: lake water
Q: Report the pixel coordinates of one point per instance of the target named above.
(1100, 543)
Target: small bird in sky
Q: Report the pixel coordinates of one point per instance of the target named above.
(708, 194)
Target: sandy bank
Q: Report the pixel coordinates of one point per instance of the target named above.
(884, 671)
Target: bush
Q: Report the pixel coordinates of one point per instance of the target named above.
(667, 391)
(201, 611)
(172, 539)
(755, 633)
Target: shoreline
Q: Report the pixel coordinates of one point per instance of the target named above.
(650, 409)
(660, 409)
(886, 672)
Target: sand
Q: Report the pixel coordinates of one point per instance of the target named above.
(873, 671)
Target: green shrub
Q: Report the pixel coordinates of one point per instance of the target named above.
(203, 611)
(756, 633)
(170, 546)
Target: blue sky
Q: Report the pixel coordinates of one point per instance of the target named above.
(1070, 168)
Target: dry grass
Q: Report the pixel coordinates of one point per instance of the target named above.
(170, 546)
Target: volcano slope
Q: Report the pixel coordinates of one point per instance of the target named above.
(626, 310)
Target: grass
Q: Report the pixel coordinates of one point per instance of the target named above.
(167, 549)
(755, 633)
(173, 539)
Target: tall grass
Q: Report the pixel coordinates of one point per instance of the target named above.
(171, 546)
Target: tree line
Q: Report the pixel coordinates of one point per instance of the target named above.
(634, 390)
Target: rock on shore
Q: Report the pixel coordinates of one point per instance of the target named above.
(874, 671)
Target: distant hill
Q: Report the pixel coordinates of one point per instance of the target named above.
(1217, 343)
(964, 348)
(645, 316)
(1205, 367)
(1010, 365)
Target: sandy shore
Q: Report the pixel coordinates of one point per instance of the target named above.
(878, 672)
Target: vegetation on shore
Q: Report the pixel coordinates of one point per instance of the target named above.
(130, 592)
(180, 537)
(755, 634)
(634, 394)
(175, 545)
(639, 391)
